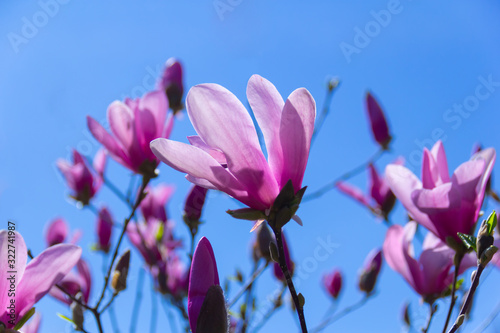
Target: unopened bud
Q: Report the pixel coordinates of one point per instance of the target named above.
(273, 252)
(487, 255)
(119, 281)
(262, 242)
(484, 239)
(378, 123)
(171, 83)
(195, 202)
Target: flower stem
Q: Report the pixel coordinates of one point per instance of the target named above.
(349, 174)
(468, 300)
(247, 285)
(286, 273)
(432, 311)
(457, 260)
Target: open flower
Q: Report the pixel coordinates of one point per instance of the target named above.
(33, 281)
(83, 182)
(74, 283)
(134, 123)
(227, 155)
(442, 204)
(432, 273)
(153, 205)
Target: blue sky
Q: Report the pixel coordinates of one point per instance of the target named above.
(425, 58)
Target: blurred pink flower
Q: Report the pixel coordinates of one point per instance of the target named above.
(333, 283)
(134, 123)
(431, 274)
(75, 282)
(444, 206)
(203, 275)
(378, 123)
(172, 276)
(194, 203)
(32, 281)
(380, 200)
(104, 230)
(227, 154)
(153, 205)
(57, 232)
(83, 182)
(171, 83)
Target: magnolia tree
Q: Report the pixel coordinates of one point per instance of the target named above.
(445, 217)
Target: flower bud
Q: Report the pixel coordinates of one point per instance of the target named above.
(333, 283)
(262, 242)
(119, 281)
(77, 313)
(104, 230)
(378, 123)
(171, 83)
(370, 271)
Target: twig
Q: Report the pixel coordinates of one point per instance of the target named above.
(457, 260)
(250, 281)
(432, 311)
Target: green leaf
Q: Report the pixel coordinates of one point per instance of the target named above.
(66, 318)
(247, 214)
(468, 240)
(24, 319)
(492, 222)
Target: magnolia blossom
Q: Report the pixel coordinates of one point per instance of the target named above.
(227, 156)
(32, 281)
(333, 283)
(430, 274)
(57, 232)
(445, 205)
(380, 199)
(134, 123)
(104, 229)
(80, 179)
(153, 205)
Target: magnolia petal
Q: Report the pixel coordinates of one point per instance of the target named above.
(197, 163)
(267, 105)
(156, 104)
(467, 178)
(223, 123)
(297, 219)
(296, 129)
(219, 156)
(354, 193)
(56, 232)
(429, 171)
(43, 272)
(439, 155)
(444, 197)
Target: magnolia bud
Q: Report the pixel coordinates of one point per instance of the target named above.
(378, 123)
(119, 281)
(262, 242)
(333, 283)
(77, 313)
(371, 269)
(171, 83)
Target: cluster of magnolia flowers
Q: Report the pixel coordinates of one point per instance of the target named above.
(226, 156)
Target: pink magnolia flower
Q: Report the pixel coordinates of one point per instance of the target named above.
(171, 83)
(32, 281)
(227, 155)
(202, 277)
(443, 205)
(380, 199)
(83, 182)
(74, 283)
(104, 230)
(57, 232)
(432, 273)
(289, 263)
(378, 124)
(153, 205)
(134, 123)
(333, 283)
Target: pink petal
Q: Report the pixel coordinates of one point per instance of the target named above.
(201, 182)
(203, 275)
(223, 123)
(100, 162)
(18, 251)
(121, 122)
(195, 162)
(439, 155)
(167, 130)
(402, 183)
(296, 128)
(156, 104)
(43, 272)
(489, 156)
(33, 324)
(107, 141)
(443, 197)
(267, 105)
(467, 178)
(429, 170)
